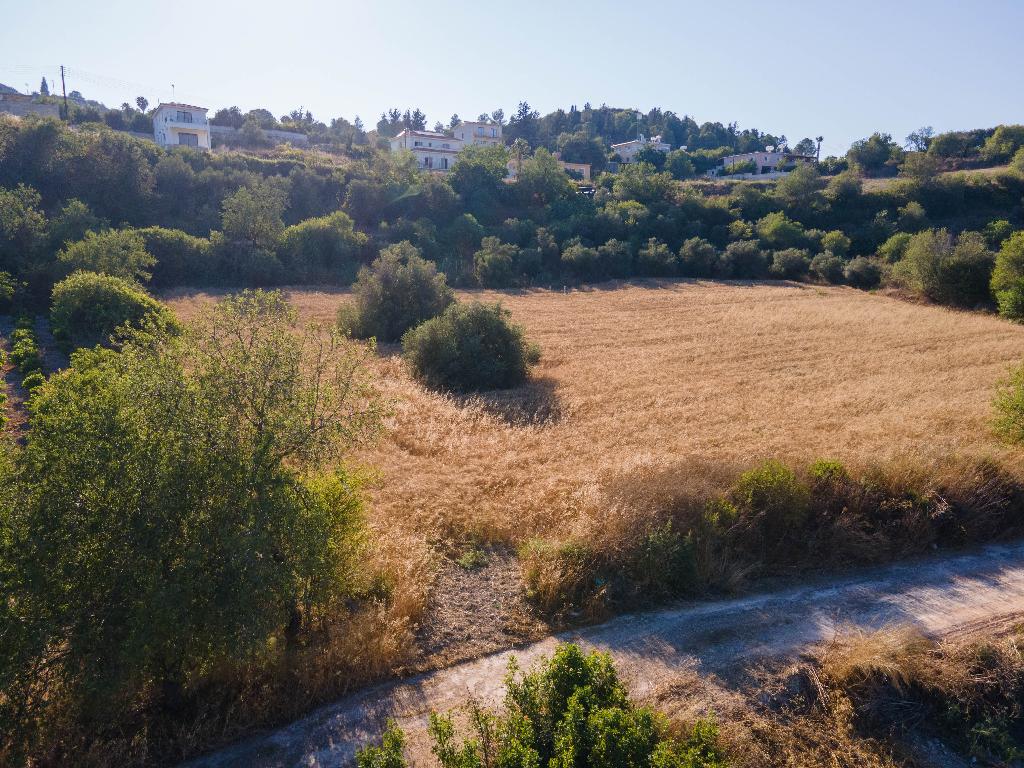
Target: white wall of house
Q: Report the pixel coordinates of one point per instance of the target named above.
(469, 132)
(766, 164)
(438, 151)
(628, 150)
(433, 151)
(181, 124)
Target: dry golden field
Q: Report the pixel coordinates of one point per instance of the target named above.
(645, 381)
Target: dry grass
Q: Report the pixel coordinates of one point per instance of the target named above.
(643, 383)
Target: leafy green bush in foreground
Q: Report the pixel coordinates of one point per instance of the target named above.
(571, 711)
(88, 307)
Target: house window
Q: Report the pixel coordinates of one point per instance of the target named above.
(428, 162)
(446, 146)
(417, 143)
(184, 117)
(494, 133)
(188, 139)
(444, 163)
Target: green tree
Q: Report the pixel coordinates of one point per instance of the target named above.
(776, 230)
(494, 265)
(469, 347)
(872, 154)
(398, 291)
(44, 88)
(253, 216)
(542, 181)
(116, 252)
(142, 103)
(161, 478)
(88, 308)
(920, 167)
(578, 147)
(322, 249)
(1008, 277)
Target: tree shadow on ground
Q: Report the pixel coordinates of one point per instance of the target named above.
(536, 403)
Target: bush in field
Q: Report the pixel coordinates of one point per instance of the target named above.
(180, 258)
(1008, 277)
(159, 479)
(324, 249)
(698, 258)
(827, 267)
(616, 258)
(87, 308)
(893, 249)
(771, 505)
(744, 260)
(863, 272)
(946, 269)
(836, 242)
(570, 710)
(116, 252)
(469, 347)
(495, 263)
(790, 264)
(776, 230)
(582, 260)
(655, 259)
(1018, 161)
(397, 292)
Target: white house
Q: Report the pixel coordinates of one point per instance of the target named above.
(437, 151)
(181, 125)
(488, 134)
(628, 150)
(432, 150)
(770, 164)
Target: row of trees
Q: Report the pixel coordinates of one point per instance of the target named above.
(232, 218)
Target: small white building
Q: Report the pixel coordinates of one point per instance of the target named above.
(437, 151)
(771, 164)
(628, 150)
(182, 125)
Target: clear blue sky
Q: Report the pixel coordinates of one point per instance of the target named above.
(840, 69)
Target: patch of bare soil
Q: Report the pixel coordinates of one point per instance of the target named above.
(476, 608)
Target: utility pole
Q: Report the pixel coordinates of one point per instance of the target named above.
(64, 89)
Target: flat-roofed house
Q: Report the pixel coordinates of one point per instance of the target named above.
(181, 125)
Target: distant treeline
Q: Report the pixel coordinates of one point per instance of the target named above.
(291, 216)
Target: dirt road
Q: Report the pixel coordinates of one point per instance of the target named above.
(939, 595)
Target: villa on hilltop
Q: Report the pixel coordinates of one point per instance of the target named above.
(628, 150)
(182, 125)
(772, 163)
(437, 151)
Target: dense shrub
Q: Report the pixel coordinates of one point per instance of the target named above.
(827, 267)
(1008, 277)
(698, 258)
(325, 249)
(893, 249)
(116, 252)
(582, 260)
(654, 258)
(863, 272)
(1009, 407)
(744, 260)
(180, 258)
(87, 308)
(836, 242)
(571, 710)
(398, 291)
(469, 347)
(946, 269)
(155, 481)
(495, 263)
(616, 258)
(776, 230)
(790, 264)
